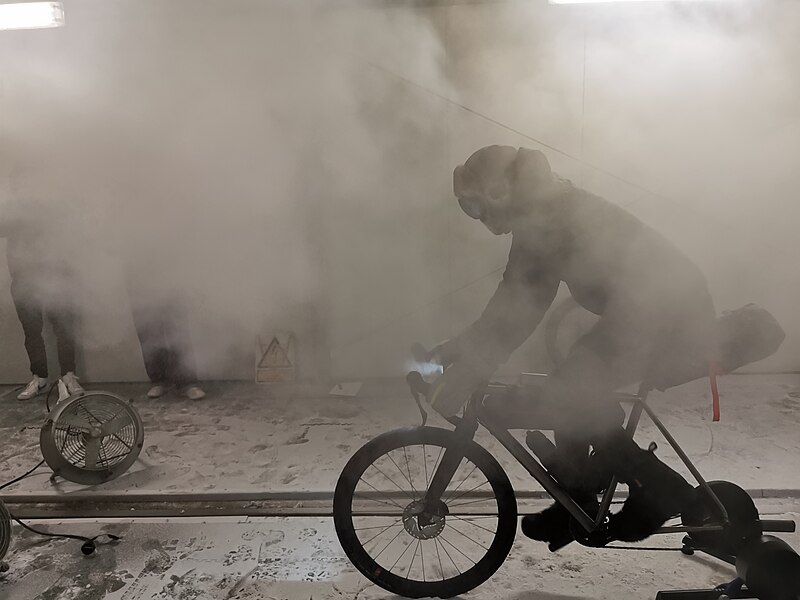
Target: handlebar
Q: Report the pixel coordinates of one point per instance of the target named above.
(418, 388)
(417, 384)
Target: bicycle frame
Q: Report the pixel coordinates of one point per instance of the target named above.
(475, 414)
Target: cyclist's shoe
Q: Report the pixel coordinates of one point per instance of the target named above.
(656, 492)
(635, 522)
(552, 525)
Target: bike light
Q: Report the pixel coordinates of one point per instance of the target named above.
(426, 369)
(31, 15)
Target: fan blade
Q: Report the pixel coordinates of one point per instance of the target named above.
(92, 453)
(116, 424)
(74, 421)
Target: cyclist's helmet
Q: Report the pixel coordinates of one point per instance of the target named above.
(486, 184)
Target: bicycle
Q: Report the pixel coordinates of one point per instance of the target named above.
(462, 493)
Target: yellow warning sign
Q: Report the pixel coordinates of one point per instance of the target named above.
(275, 361)
(274, 356)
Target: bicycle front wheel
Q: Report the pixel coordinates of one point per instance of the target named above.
(378, 517)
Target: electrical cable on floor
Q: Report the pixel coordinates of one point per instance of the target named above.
(89, 546)
(29, 473)
(21, 477)
(47, 398)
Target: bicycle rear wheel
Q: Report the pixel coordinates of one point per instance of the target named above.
(377, 505)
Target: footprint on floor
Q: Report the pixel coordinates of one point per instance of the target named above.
(266, 538)
(156, 453)
(301, 438)
(307, 533)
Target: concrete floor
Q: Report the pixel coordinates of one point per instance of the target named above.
(249, 438)
(246, 438)
(300, 559)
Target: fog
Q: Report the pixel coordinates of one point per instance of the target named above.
(289, 165)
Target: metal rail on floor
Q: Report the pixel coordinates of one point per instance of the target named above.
(250, 504)
(277, 504)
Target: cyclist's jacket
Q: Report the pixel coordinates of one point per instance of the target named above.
(614, 266)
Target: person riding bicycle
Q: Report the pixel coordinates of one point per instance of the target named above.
(655, 313)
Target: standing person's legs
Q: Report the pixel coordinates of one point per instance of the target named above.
(30, 311)
(149, 323)
(62, 316)
(181, 369)
(63, 321)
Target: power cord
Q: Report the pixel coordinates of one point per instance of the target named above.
(21, 477)
(89, 546)
(29, 473)
(50, 391)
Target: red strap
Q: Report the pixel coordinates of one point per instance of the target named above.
(713, 371)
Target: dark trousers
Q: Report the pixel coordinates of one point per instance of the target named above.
(621, 349)
(163, 331)
(32, 308)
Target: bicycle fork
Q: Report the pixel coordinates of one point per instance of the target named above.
(451, 459)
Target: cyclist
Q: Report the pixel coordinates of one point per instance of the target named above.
(656, 315)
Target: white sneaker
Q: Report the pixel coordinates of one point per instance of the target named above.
(156, 391)
(34, 388)
(63, 393)
(193, 392)
(70, 381)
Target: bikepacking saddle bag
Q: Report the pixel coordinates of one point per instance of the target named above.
(744, 335)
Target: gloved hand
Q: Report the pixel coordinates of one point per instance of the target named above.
(447, 352)
(453, 389)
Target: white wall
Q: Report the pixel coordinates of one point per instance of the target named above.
(293, 164)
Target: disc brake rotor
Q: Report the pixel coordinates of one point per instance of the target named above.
(421, 525)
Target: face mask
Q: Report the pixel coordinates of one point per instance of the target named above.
(474, 207)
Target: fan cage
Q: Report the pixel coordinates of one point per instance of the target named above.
(73, 426)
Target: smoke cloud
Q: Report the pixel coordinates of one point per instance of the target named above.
(289, 167)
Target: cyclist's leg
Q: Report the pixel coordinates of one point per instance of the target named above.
(619, 353)
(616, 352)
(579, 391)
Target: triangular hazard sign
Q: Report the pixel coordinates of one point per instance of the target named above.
(274, 356)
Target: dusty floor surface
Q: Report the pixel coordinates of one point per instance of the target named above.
(246, 438)
(300, 559)
(249, 438)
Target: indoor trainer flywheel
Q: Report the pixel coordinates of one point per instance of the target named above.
(92, 437)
